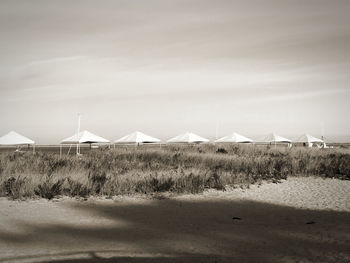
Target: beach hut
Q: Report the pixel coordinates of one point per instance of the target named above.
(235, 138)
(16, 139)
(137, 138)
(188, 137)
(83, 137)
(309, 140)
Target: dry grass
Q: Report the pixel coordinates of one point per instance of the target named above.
(178, 169)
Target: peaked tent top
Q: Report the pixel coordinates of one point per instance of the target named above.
(137, 137)
(308, 138)
(85, 137)
(234, 137)
(13, 138)
(187, 137)
(273, 137)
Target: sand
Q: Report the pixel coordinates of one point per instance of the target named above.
(298, 192)
(298, 220)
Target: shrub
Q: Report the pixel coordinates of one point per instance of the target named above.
(75, 188)
(97, 182)
(49, 189)
(221, 150)
(14, 187)
(215, 182)
(180, 169)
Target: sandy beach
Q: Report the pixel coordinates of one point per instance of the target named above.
(297, 220)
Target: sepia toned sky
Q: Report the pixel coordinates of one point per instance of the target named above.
(169, 66)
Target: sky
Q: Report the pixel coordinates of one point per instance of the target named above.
(165, 67)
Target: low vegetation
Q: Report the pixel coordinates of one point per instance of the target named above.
(147, 170)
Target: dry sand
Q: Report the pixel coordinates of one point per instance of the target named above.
(298, 220)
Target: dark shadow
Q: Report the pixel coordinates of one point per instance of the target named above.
(192, 231)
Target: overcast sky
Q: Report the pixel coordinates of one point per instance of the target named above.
(166, 67)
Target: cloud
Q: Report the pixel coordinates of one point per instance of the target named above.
(211, 58)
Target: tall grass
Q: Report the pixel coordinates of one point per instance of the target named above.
(178, 169)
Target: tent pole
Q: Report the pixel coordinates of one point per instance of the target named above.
(70, 146)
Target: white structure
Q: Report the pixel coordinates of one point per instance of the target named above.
(137, 137)
(274, 138)
(235, 137)
(13, 138)
(310, 140)
(188, 137)
(84, 137)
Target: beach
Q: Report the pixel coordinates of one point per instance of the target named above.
(302, 219)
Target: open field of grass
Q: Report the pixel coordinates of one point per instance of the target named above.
(148, 170)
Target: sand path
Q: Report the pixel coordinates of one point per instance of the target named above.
(272, 223)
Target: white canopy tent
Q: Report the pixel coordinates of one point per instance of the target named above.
(235, 137)
(84, 137)
(309, 140)
(14, 138)
(274, 138)
(188, 137)
(137, 137)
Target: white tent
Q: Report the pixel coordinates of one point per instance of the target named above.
(84, 137)
(13, 138)
(235, 137)
(309, 139)
(137, 137)
(274, 138)
(187, 137)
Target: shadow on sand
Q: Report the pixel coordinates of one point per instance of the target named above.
(171, 230)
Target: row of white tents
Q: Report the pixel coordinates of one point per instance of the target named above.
(13, 138)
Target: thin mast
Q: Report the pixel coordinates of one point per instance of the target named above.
(78, 145)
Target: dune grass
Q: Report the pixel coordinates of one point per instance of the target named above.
(177, 169)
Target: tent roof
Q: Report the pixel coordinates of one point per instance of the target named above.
(13, 138)
(234, 137)
(188, 137)
(85, 137)
(308, 138)
(137, 137)
(273, 137)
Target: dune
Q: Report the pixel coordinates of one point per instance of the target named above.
(298, 220)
